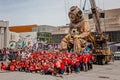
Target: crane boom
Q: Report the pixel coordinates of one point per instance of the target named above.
(95, 16)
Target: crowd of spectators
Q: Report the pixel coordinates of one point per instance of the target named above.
(54, 63)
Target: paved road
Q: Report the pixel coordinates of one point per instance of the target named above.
(100, 72)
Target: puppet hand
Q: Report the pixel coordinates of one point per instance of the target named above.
(76, 36)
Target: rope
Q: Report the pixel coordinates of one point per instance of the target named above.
(89, 6)
(68, 4)
(84, 5)
(65, 9)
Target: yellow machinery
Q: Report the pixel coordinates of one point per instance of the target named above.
(101, 49)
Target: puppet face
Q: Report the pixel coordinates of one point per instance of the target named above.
(72, 17)
(75, 14)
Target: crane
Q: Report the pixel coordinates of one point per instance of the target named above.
(101, 51)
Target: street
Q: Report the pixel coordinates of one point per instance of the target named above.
(99, 72)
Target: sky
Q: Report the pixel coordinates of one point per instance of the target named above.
(45, 12)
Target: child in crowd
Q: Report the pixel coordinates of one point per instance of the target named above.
(3, 66)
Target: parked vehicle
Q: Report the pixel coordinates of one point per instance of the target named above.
(117, 55)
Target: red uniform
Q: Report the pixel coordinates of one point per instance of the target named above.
(3, 67)
(62, 67)
(12, 67)
(85, 58)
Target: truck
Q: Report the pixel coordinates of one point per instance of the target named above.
(101, 50)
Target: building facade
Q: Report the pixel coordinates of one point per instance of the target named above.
(44, 33)
(22, 33)
(28, 37)
(14, 36)
(4, 34)
(110, 24)
(22, 28)
(59, 34)
(44, 37)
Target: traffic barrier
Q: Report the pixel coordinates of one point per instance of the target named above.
(1, 57)
(11, 56)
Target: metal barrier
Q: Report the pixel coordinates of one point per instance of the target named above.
(11, 56)
(1, 57)
(117, 56)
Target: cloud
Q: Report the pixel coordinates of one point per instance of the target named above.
(48, 12)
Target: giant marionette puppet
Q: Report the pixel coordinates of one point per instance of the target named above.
(78, 31)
